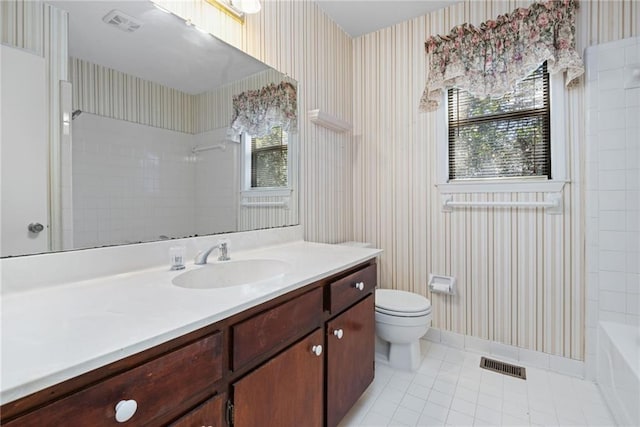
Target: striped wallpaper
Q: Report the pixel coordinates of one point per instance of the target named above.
(22, 24)
(111, 93)
(520, 273)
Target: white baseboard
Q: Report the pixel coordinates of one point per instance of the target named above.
(536, 359)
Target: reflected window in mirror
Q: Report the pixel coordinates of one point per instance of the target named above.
(266, 160)
(269, 159)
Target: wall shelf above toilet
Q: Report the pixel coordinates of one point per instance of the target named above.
(329, 121)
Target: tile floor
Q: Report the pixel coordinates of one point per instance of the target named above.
(449, 388)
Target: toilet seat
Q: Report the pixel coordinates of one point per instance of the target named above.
(402, 304)
(402, 318)
(402, 313)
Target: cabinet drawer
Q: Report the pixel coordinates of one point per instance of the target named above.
(347, 290)
(158, 386)
(269, 329)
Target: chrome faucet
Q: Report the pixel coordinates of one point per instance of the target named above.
(222, 246)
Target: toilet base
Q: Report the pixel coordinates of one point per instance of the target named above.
(405, 356)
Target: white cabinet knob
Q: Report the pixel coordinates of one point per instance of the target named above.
(316, 349)
(125, 409)
(338, 333)
(359, 286)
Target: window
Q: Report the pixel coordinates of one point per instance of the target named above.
(268, 158)
(499, 138)
(507, 144)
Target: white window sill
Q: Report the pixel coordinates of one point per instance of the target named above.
(267, 192)
(282, 195)
(502, 186)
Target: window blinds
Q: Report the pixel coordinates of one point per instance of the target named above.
(506, 137)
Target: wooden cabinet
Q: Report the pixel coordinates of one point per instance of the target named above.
(157, 387)
(350, 354)
(285, 391)
(302, 359)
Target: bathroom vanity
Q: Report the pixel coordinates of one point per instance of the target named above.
(299, 351)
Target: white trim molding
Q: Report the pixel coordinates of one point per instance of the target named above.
(531, 358)
(524, 185)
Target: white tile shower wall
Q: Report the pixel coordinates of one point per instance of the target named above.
(613, 187)
(131, 182)
(216, 186)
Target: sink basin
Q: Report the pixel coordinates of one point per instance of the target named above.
(232, 273)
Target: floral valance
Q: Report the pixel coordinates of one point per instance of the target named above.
(489, 60)
(258, 111)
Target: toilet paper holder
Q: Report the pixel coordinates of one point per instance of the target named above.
(442, 284)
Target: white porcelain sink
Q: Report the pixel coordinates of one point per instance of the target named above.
(232, 273)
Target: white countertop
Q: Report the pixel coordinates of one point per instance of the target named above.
(53, 334)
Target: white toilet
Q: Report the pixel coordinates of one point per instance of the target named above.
(402, 318)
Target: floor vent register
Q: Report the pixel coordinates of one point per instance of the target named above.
(503, 368)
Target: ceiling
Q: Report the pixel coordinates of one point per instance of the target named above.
(358, 17)
(164, 50)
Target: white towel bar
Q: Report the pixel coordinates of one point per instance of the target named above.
(209, 147)
(552, 203)
(265, 204)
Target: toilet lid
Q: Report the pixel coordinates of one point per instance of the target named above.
(395, 301)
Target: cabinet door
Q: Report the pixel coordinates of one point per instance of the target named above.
(350, 353)
(285, 391)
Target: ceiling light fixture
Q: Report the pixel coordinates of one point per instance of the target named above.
(247, 6)
(236, 8)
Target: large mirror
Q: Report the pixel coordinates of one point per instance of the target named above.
(136, 145)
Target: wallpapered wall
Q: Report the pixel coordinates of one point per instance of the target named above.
(520, 272)
(111, 93)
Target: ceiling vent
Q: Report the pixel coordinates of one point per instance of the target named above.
(122, 21)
